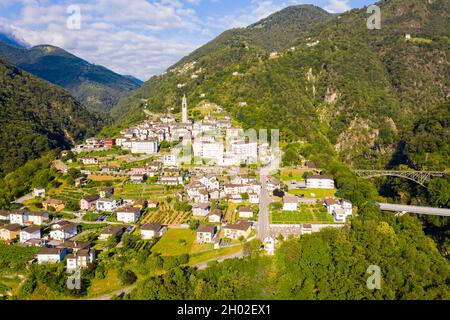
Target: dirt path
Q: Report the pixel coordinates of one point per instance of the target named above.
(199, 266)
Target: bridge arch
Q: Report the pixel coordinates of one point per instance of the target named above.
(419, 177)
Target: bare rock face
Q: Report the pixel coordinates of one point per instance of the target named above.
(357, 138)
(332, 96)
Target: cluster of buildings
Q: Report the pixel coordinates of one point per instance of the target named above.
(205, 188)
(76, 254)
(209, 140)
(208, 233)
(127, 211)
(27, 226)
(340, 209)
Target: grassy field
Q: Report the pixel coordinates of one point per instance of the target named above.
(100, 287)
(177, 242)
(306, 214)
(315, 193)
(289, 174)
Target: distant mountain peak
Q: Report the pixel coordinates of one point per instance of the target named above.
(289, 13)
(95, 86)
(12, 40)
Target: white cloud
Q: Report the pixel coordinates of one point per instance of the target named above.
(128, 37)
(137, 37)
(338, 6)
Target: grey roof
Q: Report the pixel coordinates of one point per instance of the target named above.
(206, 228)
(31, 229)
(151, 227)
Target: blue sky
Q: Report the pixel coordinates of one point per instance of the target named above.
(139, 37)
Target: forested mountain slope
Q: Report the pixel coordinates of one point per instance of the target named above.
(96, 87)
(345, 89)
(35, 117)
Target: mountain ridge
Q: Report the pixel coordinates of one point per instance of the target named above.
(346, 90)
(95, 86)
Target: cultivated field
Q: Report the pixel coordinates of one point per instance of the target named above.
(167, 215)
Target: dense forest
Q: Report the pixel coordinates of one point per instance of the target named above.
(328, 265)
(36, 117)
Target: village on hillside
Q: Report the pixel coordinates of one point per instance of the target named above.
(175, 183)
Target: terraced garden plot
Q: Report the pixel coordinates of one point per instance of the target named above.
(68, 193)
(148, 192)
(167, 215)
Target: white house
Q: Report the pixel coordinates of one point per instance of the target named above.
(152, 230)
(111, 231)
(339, 208)
(51, 255)
(319, 182)
(19, 217)
(215, 216)
(128, 214)
(63, 230)
(210, 182)
(245, 212)
(39, 192)
(30, 233)
(108, 205)
(38, 218)
(206, 233)
(82, 259)
(201, 209)
(145, 146)
(273, 184)
(290, 203)
(253, 198)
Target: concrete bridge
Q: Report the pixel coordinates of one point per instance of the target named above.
(414, 209)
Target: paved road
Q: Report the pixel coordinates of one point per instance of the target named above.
(263, 217)
(415, 209)
(24, 198)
